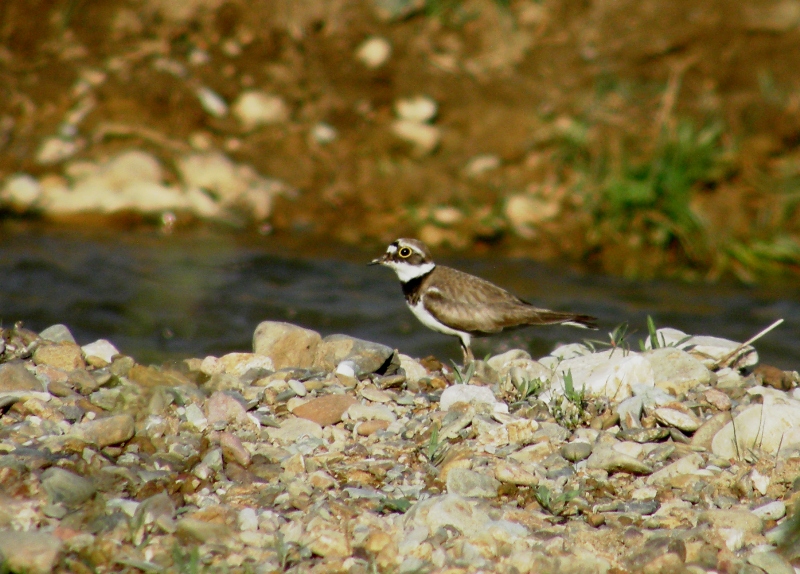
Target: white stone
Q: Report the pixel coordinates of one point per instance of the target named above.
(374, 52)
(708, 350)
(760, 481)
(102, 349)
(470, 394)
(414, 371)
(480, 164)
(524, 212)
(323, 133)
(419, 109)
(771, 511)
(21, 191)
(684, 421)
(212, 102)
(765, 428)
(423, 137)
(54, 150)
(247, 519)
(358, 411)
(685, 465)
(255, 108)
(195, 417)
(611, 374)
(347, 368)
(298, 387)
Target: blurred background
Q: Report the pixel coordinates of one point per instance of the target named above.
(171, 173)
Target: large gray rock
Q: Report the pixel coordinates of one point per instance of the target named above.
(286, 344)
(676, 371)
(57, 333)
(64, 486)
(29, 552)
(15, 377)
(469, 483)
(368, 357)
(106, 431)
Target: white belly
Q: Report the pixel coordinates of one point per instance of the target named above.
(431, 323)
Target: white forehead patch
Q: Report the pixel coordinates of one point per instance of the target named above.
(391, 249)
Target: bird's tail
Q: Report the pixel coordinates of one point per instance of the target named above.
(576, 320)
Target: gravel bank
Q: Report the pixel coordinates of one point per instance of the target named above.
(341, 455)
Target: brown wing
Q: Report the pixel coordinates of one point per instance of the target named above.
(468, 303)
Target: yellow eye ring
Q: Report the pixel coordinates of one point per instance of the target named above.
(404, 252)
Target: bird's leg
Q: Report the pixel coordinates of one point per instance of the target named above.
(468, 358)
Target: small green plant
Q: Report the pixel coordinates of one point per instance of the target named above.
(188, 561)
(436, 448)
(463, 376)
(577, 398)
(529, 387)
(387, 505)
(657, 340)
(616, 340)
(554, 505)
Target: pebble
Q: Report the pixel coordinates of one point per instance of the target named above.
(212, 458)
(20, 192)
(419, 109)
(470, 394)
(524, 212)
(30, 552)
(212, 102)
(63, 486)
(254, 109)
(326, 410)
(106, 431)
(368, 357)
(374, 52)
(57, 334)
(15, 377)
(676, 371)
(576, 451)
(100, 349)
(286, 344)
(65, 356)
(424, 138)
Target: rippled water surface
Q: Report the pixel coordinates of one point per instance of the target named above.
(195, 293)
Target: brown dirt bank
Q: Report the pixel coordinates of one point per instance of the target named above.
(638, 137)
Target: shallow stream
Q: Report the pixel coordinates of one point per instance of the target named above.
(200, 292)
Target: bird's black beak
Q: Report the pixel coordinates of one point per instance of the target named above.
(378, 260)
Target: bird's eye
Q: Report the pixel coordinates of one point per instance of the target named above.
(405, 252)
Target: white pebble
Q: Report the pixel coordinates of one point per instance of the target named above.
(346, 368)
(212, 102)
(420, 109)
(374, 52)
(255, 108)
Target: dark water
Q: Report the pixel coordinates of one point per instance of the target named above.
(203, 292)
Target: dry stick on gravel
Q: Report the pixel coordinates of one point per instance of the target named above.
(112, 129)
(750, 341)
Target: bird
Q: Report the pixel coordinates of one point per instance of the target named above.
(456, 303)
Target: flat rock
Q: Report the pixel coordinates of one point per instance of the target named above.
(708, 350)
(413, 369)
(610, 374)
(470, 394)
(677, 416)
(470, 483)
(63, 486)
(223, 408)
(771, 563)
(765, 427)
(293, 429)
(29, 552)
(66, 356)
(513, 473)
(685, 465)
(357, 411)
(611, 460)
(57, 333)
(106, 431)
(325, 410)
(676, 371)
(370, 427)
(286, 344)
(368, 357)
(15, 377)
(736, 519)
(576, 451)
(201, 530)
(233, 449)
(100, 349)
